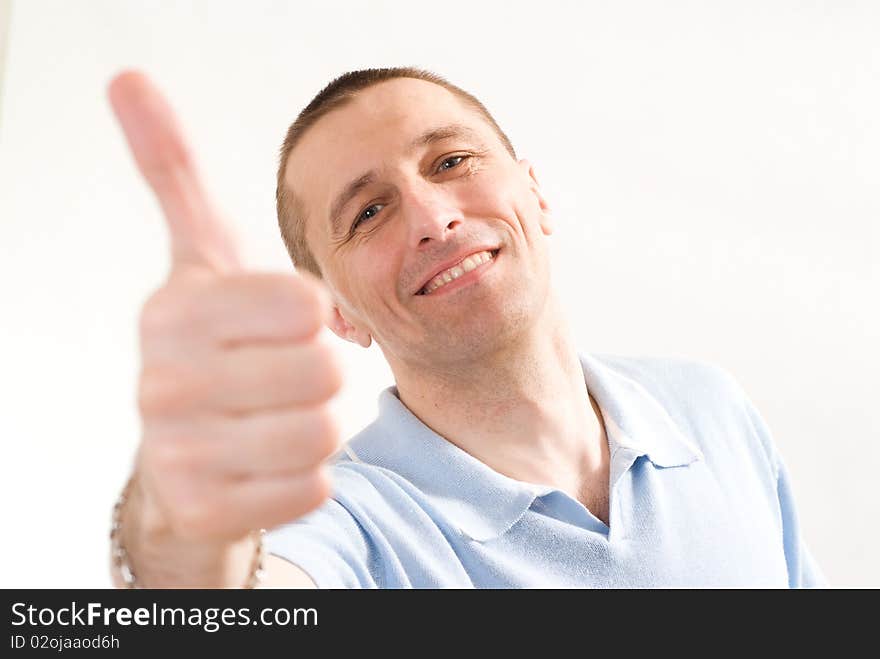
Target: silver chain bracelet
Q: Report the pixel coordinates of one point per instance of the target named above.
(120, 555)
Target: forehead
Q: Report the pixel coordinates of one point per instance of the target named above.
(376, 124)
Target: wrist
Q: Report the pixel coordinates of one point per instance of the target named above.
(146, 554)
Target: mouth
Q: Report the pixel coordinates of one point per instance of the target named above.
(472, 263)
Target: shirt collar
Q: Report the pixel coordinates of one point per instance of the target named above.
(478, 500)
(634, 419)
(483, 503)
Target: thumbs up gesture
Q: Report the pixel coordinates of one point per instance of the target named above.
(235, 382)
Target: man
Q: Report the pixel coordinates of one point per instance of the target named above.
(501, 458)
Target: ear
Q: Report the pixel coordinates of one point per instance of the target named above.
(345, 330)
(546, 217)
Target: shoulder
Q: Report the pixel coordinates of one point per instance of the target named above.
(676, 377)
(705, 399)
(366, 489)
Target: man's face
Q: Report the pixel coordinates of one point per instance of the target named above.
(405, 183)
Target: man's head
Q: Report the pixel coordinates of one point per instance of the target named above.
(391, 176)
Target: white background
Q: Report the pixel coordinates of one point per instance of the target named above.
(713, 168)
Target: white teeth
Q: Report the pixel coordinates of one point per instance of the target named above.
(456, 271)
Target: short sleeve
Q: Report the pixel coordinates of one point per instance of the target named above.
(329, 545)
(803, 571)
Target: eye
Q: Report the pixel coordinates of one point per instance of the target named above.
(367, 214)
(450, 163)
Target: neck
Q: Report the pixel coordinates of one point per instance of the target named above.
(524, 411)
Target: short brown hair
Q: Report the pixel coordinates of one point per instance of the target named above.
(291, 215)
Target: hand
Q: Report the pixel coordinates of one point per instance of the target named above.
(235, 378)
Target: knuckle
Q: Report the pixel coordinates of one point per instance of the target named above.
(155, 392)
(298, 305)
(170, 453)
(158, 316)
(172, 311)
(326, 432)
(168, 388)
(314, 300)
(328, 370)
(317, 489)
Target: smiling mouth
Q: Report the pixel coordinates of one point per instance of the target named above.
(459, 269)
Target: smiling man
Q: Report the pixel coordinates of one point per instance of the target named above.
(502, 457)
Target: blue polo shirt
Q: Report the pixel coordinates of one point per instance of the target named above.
(699, 497)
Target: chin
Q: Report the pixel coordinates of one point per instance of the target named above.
(476, 334)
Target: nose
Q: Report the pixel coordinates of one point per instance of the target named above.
(432, 214)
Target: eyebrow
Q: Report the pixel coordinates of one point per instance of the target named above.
(348, 193)
(430, 136)
(443, 133)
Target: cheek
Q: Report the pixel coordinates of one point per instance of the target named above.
(375, 274)
(488, 196)
(501, 195)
